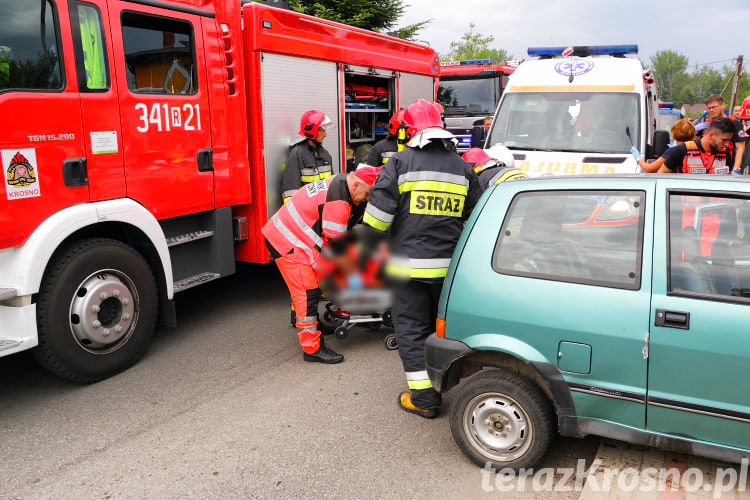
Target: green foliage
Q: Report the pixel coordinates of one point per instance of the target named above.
(678, 85)
(375, 15)
(474, 45)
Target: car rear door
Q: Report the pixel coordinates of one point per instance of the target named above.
(699, 354)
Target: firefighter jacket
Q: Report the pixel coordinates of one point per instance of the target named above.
(497, 174)
(423, 196)
(315, 214)
(304, 164)
(697, 161)
(382, 151)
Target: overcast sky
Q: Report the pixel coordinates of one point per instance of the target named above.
(703, 31)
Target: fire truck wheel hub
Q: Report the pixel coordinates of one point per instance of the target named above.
(103, 311)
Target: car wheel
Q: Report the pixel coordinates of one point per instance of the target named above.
(96, 310)
(502, 419)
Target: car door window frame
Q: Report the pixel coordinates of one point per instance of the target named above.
(567, 279)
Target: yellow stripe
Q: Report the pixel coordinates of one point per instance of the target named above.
(443, 187)
(511, 174)
(325, 175)
(418, 385)
(405, 272)
(310, 178)
(478, 168)
(287, 199)
(375, 222)
(572, 88)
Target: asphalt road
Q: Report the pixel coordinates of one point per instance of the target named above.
(223, 406)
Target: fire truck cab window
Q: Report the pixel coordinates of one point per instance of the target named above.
(159, 54)
(29, 53)
(94, 74)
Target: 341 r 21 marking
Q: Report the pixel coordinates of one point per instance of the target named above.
(172, 117)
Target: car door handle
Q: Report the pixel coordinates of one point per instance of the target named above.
(205, 160)
(672, 319)
(75, 173)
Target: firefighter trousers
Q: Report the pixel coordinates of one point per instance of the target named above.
(414, 311)
(302, 282)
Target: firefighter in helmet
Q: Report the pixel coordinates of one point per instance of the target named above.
(385, 148)
(302, 237)
(493, 166)
(308, 161)
(423, 196)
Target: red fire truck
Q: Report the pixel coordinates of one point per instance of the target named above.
(469, 91)
(141, 146)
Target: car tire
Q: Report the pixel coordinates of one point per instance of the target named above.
(502, 419)
(96, 310)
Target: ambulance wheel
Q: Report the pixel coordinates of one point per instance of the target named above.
(390, 342)
(502, 419)
(95, 310)
(341, 332)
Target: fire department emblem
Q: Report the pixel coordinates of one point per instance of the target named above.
(574, 66)
(21, 173)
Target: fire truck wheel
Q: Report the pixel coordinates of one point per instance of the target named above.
(96, 310)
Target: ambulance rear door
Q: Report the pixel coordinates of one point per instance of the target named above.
(161, 77)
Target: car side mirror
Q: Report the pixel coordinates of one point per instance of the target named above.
(661, 141)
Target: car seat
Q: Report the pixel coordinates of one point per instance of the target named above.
(722, 260)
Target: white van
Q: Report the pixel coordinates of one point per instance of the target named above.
(581, 113)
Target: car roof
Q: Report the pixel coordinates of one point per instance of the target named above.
(604, 181)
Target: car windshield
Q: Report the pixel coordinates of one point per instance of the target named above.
(568, 121)
(475, 96)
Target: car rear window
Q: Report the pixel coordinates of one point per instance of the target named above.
(590, 237)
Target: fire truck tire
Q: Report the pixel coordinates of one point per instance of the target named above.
(96, 310)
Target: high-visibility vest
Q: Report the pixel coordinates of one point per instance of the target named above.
(703, 162)
(303, 226)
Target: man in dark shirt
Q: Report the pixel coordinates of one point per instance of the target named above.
(715, 107)
(710, 154)
(479, 134)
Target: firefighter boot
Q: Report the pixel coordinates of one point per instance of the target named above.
(404, 401)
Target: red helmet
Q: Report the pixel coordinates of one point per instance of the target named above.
(745, 112)
(395, 122)
(439, 107)
(312, 121)
(420, 115)
(477, 157)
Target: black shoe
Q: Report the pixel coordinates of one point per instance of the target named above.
(324, 355)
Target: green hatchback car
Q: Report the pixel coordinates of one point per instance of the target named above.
(615, 306)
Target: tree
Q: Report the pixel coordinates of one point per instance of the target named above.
(670, 70)
(375, 15)
(474, 45)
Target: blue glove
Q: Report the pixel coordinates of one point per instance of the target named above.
(354, 282)
(636, 153)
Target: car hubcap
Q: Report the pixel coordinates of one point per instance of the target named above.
(104, 311)
(497, 427)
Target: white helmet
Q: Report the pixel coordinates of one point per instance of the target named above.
(503, 155)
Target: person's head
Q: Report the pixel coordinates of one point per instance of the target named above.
(487, 123)
(718, 135)
(395, 123)
(683, 130)
(313, 125)
(715, 106)
(478, 159)
(421, 115)
(736, 111)
(360, 181)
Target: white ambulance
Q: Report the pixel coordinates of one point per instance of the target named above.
(579, 110)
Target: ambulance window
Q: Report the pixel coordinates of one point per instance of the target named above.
(588, 237)
(91, 58)
(159, 54)
(29, 46)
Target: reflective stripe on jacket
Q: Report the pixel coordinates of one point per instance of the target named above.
(304, 164)
(315, 213)
(697, 161)
(423, 196)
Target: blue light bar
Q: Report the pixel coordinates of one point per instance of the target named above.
(465, 140)
(585, 50)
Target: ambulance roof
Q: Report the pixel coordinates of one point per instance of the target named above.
(590, 74)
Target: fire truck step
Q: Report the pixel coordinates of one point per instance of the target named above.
(6, 344)
(7, 293)
(188, 237)
(196, 280)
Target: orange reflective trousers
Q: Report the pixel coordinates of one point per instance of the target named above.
(302, 282)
